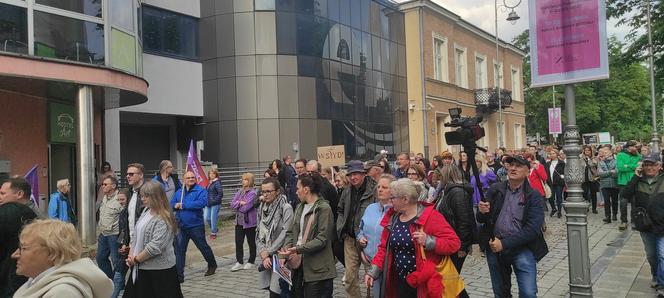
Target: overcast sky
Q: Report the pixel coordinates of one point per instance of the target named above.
(481, 13)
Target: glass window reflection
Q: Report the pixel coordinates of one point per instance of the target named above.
(264, 4)
(88, 7)
(13, 29)
(70, 39)
(168, 33)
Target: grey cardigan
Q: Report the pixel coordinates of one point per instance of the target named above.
(607, 173)
(158, 245)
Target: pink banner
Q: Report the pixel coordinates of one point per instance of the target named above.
(555, 123)
(568, 35)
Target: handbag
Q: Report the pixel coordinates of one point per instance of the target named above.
(452, 283)
(640, 216)
(547, 189)
(295, 260)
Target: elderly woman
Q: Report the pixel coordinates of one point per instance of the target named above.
(416, 173)
(49, 254)
(245, 222)
(311, 236)
(59, 206)
(151, 253)
(409, 228)
(215, 193)
(370, 228)
(274, 218)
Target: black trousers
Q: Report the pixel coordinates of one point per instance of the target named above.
(590, 194)
(240, 234)
(623, 204)
(610, 201)
(320, 288)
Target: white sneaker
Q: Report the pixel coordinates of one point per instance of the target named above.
(248, 266)
(236, 267)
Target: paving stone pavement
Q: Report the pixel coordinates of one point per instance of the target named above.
(618, 267)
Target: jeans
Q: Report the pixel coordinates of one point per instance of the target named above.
(197, 234)
(525, 269)
(556, 197)
(623, 204)
(651, 244)
(107, 246)
(119, 282)
(659, 277)
(240, 233)
(211, 215)
(610, 201)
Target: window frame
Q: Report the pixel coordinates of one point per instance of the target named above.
(518, 141)
(501, 74)
(481, 75)
(515, 75)
(461, 79)
(440, 56)
(165, 54)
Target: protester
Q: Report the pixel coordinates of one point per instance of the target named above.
(403, 161)
(165, 177)
(49, 254)
(535, 152)
(329, 193)
(13, 216)
(409, 227)
(315, 275)
(374, 169)
(537, 176)
(606, 169)
(487, 178)
(300, 167)
(104, 172)
(385, 165)
(464, 166)
(416, 173)
(245, 222)
(352, 203)
(108, 227)
(456, 206)
(274, 218)
(514, 214)
(590, 184)
(135, 172)
(151, 256)
(327, 173)
(18, 190)
(215, 192)
(556, 180)
(370, 229)
(123, 242)
(492, 163)
(59, 205)
(341, 181)
(640, 190)
(188, 203)
(626, 163)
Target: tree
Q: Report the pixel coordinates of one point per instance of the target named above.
(619, 105)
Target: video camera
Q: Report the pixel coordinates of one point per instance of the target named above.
(468, 131)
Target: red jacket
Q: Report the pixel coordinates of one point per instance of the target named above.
(536, 177)
(433, 224)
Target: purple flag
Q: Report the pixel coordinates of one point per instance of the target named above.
(33, 178)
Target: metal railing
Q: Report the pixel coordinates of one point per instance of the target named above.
(486, 99)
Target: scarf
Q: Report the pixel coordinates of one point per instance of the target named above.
(270, 215)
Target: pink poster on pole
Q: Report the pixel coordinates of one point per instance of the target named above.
(555, 123)
(568, 39)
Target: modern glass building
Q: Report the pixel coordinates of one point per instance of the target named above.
(282, 77)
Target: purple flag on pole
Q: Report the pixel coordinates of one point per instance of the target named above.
(33, 178)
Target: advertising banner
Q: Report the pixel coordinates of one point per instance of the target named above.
(555, 123)
(568, 41)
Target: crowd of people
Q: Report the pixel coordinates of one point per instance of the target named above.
(388, 224)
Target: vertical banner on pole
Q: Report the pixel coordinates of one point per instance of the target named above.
(568, 41)
(555, 123)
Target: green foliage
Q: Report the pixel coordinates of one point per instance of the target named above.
(619, 105)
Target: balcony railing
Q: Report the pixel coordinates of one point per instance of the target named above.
(486, 99)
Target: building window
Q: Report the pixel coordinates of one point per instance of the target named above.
(264, 4)
(88, 7)
(169, 34)
(440, 59)
(518, 141)
(69, 39)
(500, 132)
(480, 72)
(516, 84)
(13, 29)
(122, 14)
(461, 71)
(498, 74)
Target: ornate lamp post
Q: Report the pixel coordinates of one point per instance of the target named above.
(512, 17)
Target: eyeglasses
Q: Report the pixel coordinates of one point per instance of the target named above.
(189, 177)
(130, 174)
(21, 248)
(106, 184)
(269, 191)
(411, 174)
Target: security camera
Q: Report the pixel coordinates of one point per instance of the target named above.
(411, 106)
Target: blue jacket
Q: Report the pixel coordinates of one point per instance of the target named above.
(371, 229)
(191, 214)
(59, 208)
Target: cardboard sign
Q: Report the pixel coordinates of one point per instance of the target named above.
(329, 156)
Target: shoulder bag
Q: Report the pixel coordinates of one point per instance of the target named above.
(295, 260)
(640, 216)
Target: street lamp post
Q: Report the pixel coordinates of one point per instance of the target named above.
(655, 135)
(512, 17)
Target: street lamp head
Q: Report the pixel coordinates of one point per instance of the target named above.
(513, 17)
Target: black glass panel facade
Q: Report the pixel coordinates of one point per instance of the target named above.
(13, 29)
(169, 34)
(351, 47)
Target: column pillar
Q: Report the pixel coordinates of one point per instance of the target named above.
(85, 165)
(576, 208)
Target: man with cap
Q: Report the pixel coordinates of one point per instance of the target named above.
(626, 163)
(514, 244)
(374, 169)
(645, 184)
(352, 203)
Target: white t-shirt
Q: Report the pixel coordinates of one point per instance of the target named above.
(131, 210)
(552, 169)
(307, 208)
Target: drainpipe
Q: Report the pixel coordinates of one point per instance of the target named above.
(425, 118)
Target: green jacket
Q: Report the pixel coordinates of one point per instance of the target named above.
(318, 260)
(626, 165)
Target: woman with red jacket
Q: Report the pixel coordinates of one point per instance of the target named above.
(537, 174)
(408, 226)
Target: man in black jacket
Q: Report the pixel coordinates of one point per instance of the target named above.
(645, 184)
(513, 214)
(135, 172)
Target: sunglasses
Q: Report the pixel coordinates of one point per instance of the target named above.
(130, 174)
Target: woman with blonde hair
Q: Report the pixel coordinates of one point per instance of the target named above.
(341, 181)
(487, 177)
(49, 254)
(151, 254)
(245, 222)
